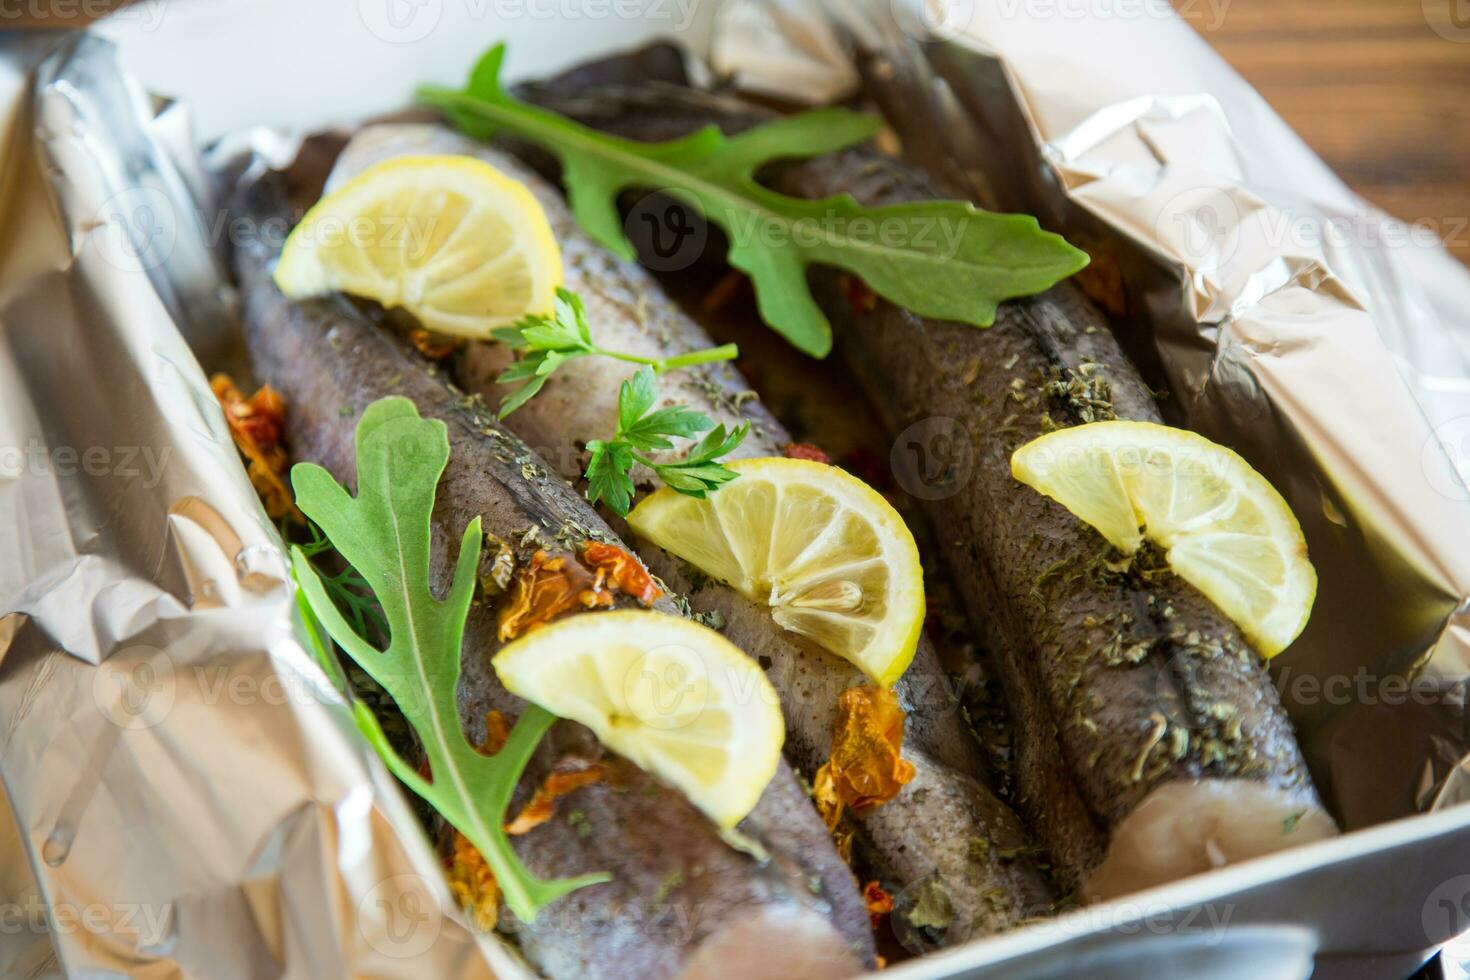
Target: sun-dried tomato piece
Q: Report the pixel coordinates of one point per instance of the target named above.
(545, 588)
(860, 299)
(473, 884)
(866, 767)
(257, 425)
(497, 733)
(621, 570)
(879, 902)
(434, 346)
(566, 776)
(549, 586)
(805, 450)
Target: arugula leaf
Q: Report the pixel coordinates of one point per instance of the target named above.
(383, 533)
(942, 259)
(550, 341)
(640, 427)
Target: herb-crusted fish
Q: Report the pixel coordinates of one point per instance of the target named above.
(945, 836)
(682, 901)
(1151, 743)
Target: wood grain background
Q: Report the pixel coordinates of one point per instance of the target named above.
(1371, 86)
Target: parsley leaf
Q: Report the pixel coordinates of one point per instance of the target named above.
(607, 474)
(947, 260)
(383, 533)
(641, 427)
(550, 341)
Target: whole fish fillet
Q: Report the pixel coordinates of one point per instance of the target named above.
(1150, 741)
(682, 901)
(945, 841)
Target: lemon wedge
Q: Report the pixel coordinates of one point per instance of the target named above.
(450, 239)
(828, 555)
(1225, 529)
(675, 698)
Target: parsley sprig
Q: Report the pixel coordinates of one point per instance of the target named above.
(643, 429)
(551, 341)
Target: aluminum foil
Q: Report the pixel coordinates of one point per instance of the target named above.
(190, 795)
(1285, 316)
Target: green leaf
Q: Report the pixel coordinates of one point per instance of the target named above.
(639, 429)
(552, 341)
(607, 475)
(384, 533)
(520, 396)
(699, 472)
(652, 430)
(717, 443)
(946, 260)
(636, 396)
(509, 336)
(527, 367)
(569, 310)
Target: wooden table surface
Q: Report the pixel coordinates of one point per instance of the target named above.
(1371, 85)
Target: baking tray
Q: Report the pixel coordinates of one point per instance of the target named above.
(1372, 903)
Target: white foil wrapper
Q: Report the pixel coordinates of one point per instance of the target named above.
(191, 795)
(1286, 317)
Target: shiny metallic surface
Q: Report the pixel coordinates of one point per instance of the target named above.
(190, 796)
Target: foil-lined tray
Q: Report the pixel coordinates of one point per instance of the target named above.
(190, 797)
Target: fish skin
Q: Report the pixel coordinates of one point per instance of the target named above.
(924, 835)
(1021, 561)
(682, 901)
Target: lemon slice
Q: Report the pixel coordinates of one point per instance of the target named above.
(675, 698)
(830, 557)
(452, 240)
(1226, 530)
